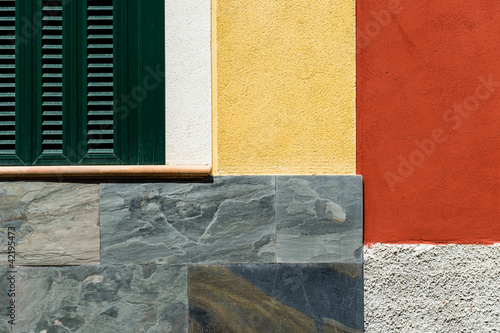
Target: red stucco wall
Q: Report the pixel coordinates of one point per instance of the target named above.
(428, 103)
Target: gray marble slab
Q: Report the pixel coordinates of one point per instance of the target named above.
(228, 221)
(111, 299)
(55, 223)
(319, 219)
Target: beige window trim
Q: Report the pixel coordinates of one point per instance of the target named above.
(97, 172)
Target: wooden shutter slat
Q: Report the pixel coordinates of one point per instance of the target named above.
(7, 78)
(98, 132)
(52, 113)
(99, 36)
(100, 113)
(52, 132)
(51, 75)
(52, 94)
(100, 84)
(52, 123)
(100, 122)
(100, 75)
(101, 65)
(52, 56)
(49, 27)
(100, 27)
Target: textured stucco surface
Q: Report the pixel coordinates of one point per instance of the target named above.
(285, 87)
(432, 288)
(188, 82)
(428, 120)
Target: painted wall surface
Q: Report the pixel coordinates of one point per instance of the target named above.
(428, 120)
(285, 82)
(188, 82)
(432, 288)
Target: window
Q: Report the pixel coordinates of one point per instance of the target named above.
(82, 82)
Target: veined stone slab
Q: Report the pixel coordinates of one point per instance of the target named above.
(228, 221)
(55, 223)
(319, 219)
(277, 298)
(111, 299)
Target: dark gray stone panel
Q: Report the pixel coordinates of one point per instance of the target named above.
(319, 219)
(276, 298)
(228, 221)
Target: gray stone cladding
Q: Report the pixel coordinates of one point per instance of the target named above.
(115, 257)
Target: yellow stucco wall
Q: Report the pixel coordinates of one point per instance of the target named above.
(284, 87)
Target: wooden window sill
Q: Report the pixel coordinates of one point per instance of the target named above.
(97, 172)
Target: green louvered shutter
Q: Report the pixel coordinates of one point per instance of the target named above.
(101, 134)
(51, 112)
(72, 82)
(7, 79)
(100, 115)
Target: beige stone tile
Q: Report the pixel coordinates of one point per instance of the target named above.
(55, 223)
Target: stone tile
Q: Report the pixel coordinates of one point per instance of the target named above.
(228, 221)
(319, 219)
(111, 299)
(276, 298)
(56, 223)
(5, 289)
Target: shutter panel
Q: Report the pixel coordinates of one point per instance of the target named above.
(100, 76)
(52, 78)
(7, 78)
(146, 63)
(82, 83)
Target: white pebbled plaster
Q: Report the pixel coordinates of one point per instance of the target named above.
(188, 82)
(432, 288)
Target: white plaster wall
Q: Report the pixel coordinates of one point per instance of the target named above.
(188, 82)
(426, 288)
